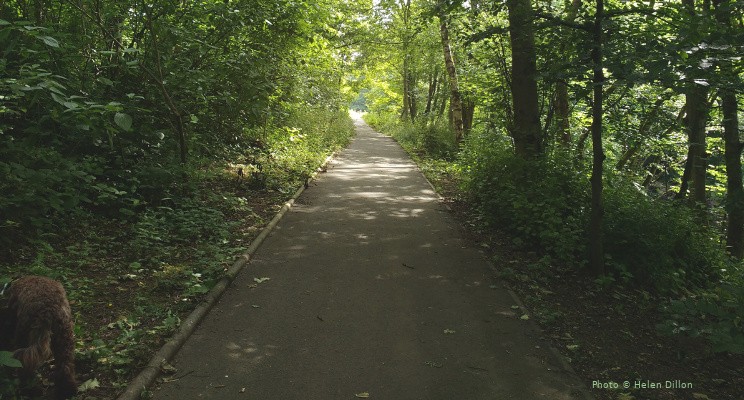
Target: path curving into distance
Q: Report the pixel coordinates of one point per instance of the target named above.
(372, 291)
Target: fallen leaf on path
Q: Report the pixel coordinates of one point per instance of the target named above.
(515, 307)
(242, 390)
(700, 396)
(167, 368)
(448, 331)
(572, 346)
(363, 395)
(524, 317)
(255, 306)
(260, 280)
(433, 364)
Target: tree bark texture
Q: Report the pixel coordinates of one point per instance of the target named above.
(732, 144)
(526, 130)
(734, 189)
(697, 117)
(562, 109)
(455, 98)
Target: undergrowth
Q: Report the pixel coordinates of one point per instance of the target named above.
(139, 260)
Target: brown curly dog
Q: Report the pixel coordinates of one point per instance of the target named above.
(36, 324)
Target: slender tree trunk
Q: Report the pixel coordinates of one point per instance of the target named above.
(596, 245)
(406, 100)
(412, 104)
(562, 110)
(526, 131)
(160, 81)
(642, 131)
(455, 98)
(432, 91)
(442, 106)
(468, 111)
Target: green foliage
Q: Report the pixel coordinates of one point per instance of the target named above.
(105, 132)
(297, 149)
(659, 243)
(9, 384)
(435, 140)
(716, 314)
(539, 201)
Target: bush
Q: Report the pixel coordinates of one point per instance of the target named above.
(716, 315)
(660, 243)
(540, 202)
(435, 140)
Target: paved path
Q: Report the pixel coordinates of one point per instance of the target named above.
(372, 289)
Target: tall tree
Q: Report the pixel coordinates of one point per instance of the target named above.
(596, 245)
(449, 61)
(696, 109)
(562, 109)
(732, 143)
(526, 131)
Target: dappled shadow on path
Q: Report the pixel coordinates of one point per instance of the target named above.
(367, 285)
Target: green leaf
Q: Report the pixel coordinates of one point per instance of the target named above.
(4, 22)
(124, 121)
(58, 98)
(6, 359)
(49, 41)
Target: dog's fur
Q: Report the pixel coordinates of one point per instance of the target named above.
(38, 323)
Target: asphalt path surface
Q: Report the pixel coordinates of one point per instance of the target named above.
(367, 289)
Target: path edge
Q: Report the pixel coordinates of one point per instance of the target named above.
(140, 383)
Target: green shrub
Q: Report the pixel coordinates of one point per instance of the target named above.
(715, 314)
(659, 242)
(435, 140)
(540, 202)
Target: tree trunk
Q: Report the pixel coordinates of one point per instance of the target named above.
(697, 117)
(406, 100)
(596, 246)
(696, 108)
(455, 98)
(468, 111)
(433, 81)
(642, 131)
(412, 105)
(562, 110)
(734, 189)
(732, 145)
(526, 131)
(160, 81)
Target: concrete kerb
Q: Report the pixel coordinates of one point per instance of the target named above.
(152, 370)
